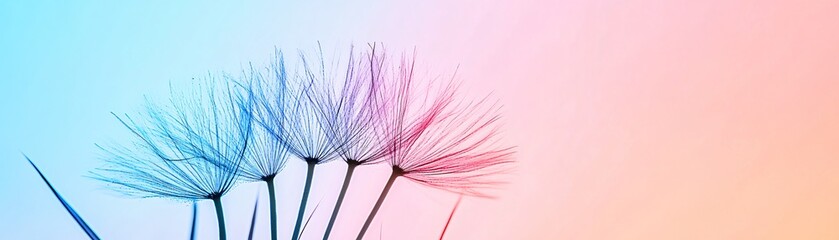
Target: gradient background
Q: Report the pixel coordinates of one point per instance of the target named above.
(633, 119)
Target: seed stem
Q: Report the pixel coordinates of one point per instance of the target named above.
(194, 220)
(273, 203)
(350, 168)
(396, 173)
(311, 170)
(222, 232)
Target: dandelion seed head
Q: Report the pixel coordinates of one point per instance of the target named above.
(351, 106)
(187, 149)
(442, 142)
(286, 109)
(266, 154)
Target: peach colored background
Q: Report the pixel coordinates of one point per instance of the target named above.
(652, 119)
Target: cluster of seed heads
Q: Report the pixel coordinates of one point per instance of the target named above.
(363, 109)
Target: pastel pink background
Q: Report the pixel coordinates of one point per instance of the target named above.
(650, 119)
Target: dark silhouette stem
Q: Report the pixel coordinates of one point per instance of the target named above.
(450, 216)
(67, 207)
(273, 203)
(194, 221)
(304, 199)
(350, 168)
(253, 218)
(222, 232)
(396, 173)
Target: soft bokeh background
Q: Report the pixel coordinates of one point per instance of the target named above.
(633, 119)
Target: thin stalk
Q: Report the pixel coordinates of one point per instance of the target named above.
(194, 220)
(296, 234)
(273, 203)
(222, 232)
(67, 207)
(347, 177)
(253, 218)
(396, 173)
(456, 204)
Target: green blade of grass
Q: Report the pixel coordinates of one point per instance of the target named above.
(67, 206)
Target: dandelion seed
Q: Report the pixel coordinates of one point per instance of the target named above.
(189, 150)
(439, 142)
(266, 153)
(287, 110)
(354, 119)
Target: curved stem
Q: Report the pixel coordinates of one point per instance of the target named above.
(222, 232)
(396, 173)
(350, 168)
(304, 199)
(273, 204)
